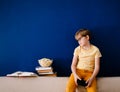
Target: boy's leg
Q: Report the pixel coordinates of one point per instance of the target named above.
(93, 86)
(71, 86)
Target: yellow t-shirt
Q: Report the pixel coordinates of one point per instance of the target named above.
(86, 58)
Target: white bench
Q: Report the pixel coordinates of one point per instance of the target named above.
(53, 84)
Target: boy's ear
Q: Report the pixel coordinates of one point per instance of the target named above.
(88, 37)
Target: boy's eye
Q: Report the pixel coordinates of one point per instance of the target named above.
(80, 38)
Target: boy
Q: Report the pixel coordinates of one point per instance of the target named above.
(85, 64)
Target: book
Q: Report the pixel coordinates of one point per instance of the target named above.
(50, 75)
(45, 71)
(44, 68)
(22, 74)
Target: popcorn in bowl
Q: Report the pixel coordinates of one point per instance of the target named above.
(45, 62)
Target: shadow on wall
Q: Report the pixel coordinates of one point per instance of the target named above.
(107, 39)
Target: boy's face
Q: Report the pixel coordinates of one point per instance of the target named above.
(83, 40)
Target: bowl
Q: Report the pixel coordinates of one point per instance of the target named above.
(45, 62)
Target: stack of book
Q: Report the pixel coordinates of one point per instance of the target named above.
(45, 71)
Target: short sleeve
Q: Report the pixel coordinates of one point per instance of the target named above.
(76, 52)
(98, 54)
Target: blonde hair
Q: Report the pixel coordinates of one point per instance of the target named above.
(82, 32)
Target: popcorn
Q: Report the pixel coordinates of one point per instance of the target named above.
(45, 62)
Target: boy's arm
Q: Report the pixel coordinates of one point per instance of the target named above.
(74, 64)
(95, 72)
(97, 67)
(73, 68)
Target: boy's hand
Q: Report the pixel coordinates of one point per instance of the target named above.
(76, 77)
(89, 82)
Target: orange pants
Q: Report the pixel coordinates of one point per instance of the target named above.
(84, 74)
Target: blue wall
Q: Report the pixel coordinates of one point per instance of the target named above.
(33, 29)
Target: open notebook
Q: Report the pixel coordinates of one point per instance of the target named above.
(22, 74)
